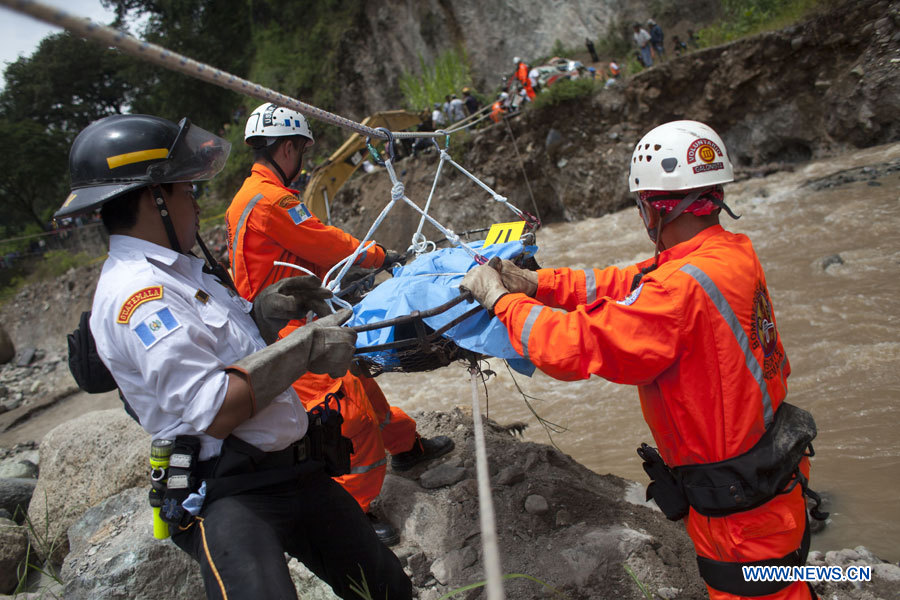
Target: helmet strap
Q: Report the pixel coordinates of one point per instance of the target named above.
(160, 203)
(284, 178)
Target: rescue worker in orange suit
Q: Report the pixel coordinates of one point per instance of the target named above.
(498, 108)
(522, 75)
(694, 328)
(266, 223)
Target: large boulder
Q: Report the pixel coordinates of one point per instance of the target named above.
(7, 348)
(556, 521)
(83, 462)
(13, 548)
(113, 555)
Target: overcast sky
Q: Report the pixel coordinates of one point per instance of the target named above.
(20, 34)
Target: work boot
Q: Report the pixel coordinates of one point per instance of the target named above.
(386, 533)
(423, 449)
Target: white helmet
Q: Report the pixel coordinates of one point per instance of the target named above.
(504, 95)
(269, 122)
(517, 60)
(680, 155)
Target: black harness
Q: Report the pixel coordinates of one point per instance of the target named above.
(770, 468)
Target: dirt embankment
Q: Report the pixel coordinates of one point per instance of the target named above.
(779, 98)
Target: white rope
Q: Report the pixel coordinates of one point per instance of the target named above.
(418, 236)
(330, 301)
(489, 545)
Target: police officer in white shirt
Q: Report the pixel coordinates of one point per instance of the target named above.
(191, 359)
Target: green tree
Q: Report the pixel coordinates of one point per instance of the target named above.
(216, 32)
(52, 88)
(32, 181)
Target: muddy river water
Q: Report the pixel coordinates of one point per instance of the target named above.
(839, 320)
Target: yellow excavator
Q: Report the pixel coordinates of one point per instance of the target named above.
(328, 178)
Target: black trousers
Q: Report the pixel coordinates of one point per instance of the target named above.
(240, 542)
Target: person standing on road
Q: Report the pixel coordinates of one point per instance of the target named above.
(591, 50)
(656, 39)
(642, 41)
(521, 73)
(191, 359)
(694, 329)
(471, 102)
(267, 222)
(457, 109)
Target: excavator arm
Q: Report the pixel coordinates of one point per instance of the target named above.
(327, 179)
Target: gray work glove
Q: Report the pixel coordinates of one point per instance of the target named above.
(287, 299)
(518, 280)
(320, 347)
(485, 284)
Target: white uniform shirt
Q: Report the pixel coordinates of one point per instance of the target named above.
(166, 330)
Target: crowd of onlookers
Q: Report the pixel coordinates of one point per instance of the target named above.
(650, 43)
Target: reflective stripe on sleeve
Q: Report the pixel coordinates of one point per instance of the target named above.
(367, 468)
(387, 420)
(526, 329)
(590, 286)
(740, 335)
(240, 226)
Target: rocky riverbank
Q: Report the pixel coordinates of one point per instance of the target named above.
(585, 535)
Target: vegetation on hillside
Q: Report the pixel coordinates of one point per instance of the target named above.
(300, 48)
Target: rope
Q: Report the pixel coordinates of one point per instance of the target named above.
(537, 213)
(489, 544)
(178, 62)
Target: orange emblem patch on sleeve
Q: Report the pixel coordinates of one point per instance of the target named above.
(136, 299)
(288, 202)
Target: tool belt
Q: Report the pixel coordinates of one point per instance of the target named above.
(243, 468)
(771, 467)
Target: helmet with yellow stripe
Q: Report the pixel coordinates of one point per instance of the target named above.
(121, 153)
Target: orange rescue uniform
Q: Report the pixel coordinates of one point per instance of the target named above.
(699, 339)
(522, 75)
(267, 222)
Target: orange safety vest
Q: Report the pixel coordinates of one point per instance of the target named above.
(698, 337)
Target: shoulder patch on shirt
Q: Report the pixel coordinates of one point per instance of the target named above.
(156, 327)
(288, 202)
(136, 299)
(299, 213)
(630, 298)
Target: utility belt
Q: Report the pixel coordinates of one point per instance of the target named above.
(243, 468)
(771, 467)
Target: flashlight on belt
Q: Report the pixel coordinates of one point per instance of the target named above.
(160, 451)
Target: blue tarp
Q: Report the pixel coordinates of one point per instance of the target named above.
(431, 280)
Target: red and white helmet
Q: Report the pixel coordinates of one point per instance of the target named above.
(680, 155)
(269, 122)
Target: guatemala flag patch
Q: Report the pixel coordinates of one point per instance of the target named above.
(156, 327)
(299, 213)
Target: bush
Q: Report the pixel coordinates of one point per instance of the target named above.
(748, 17)
(564, 91)
(58, 262)
(448, 74)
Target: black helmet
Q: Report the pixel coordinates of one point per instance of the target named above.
(121, 153)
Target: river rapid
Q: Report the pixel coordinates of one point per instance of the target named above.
(839, 320)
